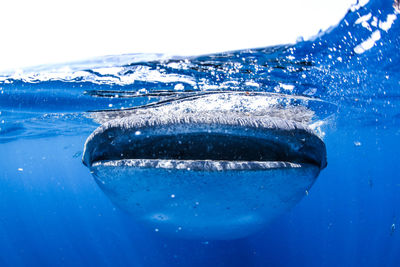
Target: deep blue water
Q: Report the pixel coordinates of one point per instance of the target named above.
(52, 213)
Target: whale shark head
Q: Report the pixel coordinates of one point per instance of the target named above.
(215, 166)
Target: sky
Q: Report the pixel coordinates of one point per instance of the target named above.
(36, 32)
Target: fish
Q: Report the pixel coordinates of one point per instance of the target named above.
(213, 166)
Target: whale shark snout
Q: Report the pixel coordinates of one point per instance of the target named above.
(214, 175)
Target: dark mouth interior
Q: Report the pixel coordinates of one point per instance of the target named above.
(203, 146)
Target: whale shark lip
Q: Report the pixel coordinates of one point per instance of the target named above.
(204, 143)
(198, 165)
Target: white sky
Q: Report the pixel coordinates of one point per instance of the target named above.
(35, 32)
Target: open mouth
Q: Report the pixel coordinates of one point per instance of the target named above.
(199, 143)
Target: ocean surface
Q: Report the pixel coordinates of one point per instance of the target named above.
(52, 212)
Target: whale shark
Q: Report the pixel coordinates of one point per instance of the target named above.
(212, 166)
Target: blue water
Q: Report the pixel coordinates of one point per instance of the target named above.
(52, 213)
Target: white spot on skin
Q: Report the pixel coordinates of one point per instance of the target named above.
(20, 169)
(172, 196)
(138, 133)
